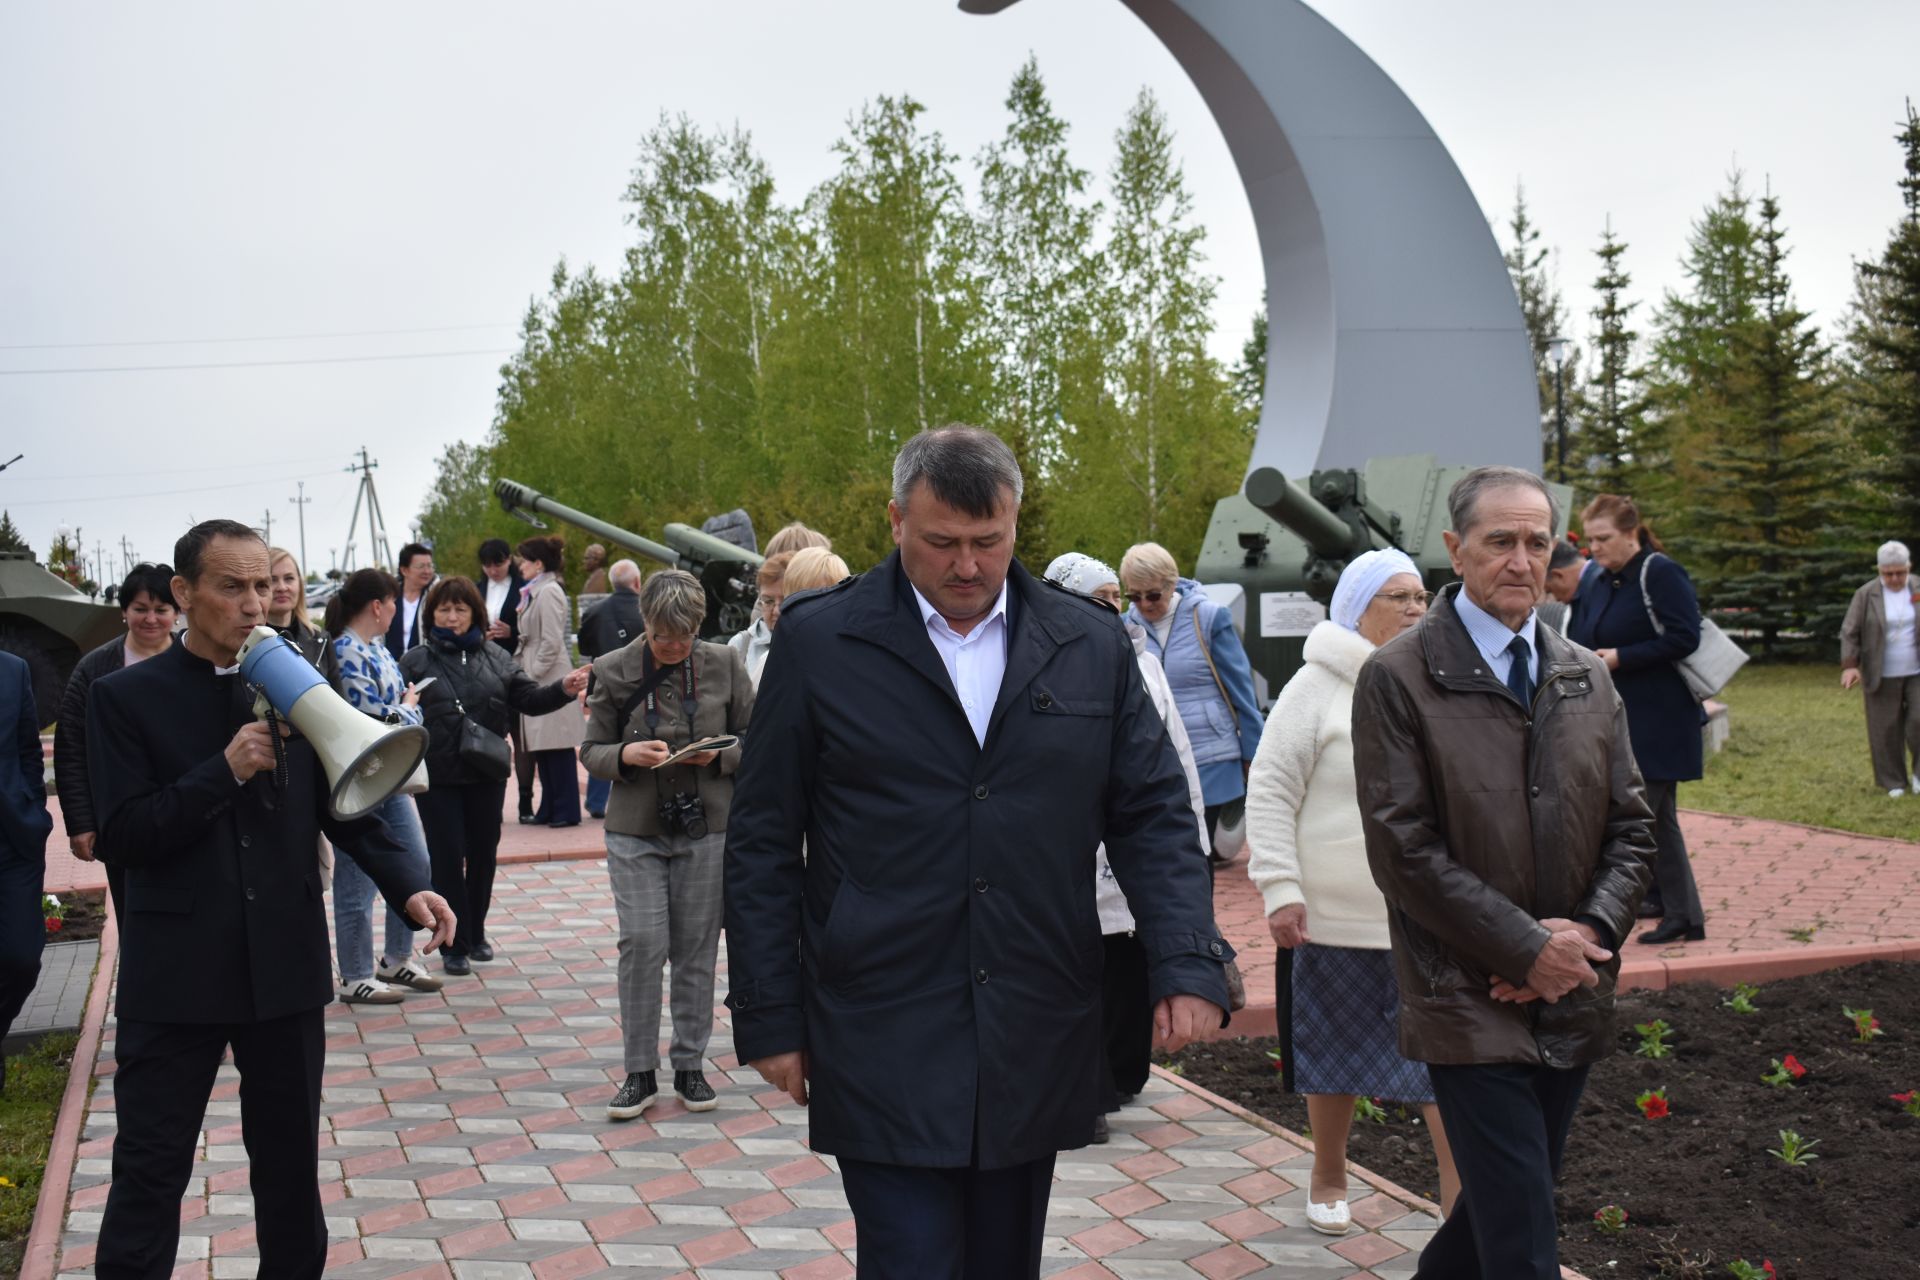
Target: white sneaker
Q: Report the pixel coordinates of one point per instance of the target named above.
(1330, 1219)
(409, 974)
(1913, 781)
(370, 991)
(1897, 792)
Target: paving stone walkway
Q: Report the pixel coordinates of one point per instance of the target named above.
(59, 996)
(464, 1137)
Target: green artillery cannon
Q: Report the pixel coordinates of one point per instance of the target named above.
(728, 572)
(1285, 544)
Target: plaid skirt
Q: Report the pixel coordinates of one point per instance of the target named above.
(1346, 1033)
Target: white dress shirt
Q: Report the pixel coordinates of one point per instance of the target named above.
(1902, 658)
(497, 598)
(1492, 636)
(976, 662)
(409, 610)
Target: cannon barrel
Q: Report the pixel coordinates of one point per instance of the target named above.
(685, 545)
(1290, 506)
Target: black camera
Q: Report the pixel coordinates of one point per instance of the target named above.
(684, 815)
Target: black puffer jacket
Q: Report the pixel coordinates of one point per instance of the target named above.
(70, 735)
(485, 681)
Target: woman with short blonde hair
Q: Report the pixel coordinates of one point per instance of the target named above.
(813, 568)
(797, 537)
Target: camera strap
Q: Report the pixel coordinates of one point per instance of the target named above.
(689, 693)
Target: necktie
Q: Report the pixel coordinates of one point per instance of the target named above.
(1517, 678)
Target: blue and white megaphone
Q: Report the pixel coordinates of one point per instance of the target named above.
(366, 761)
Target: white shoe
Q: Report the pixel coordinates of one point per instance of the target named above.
(1329, 1219)
(370, 991)
(1897, 792)
(1913, 781)
(408, 973)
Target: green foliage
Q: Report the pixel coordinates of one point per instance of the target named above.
(1883, 355)
(1653, 1039)
(1611, 445)
(1742, 1000)
(773, 356)
(1794, 1149)
(1546, 315)
(10, 539)
(36, 1079)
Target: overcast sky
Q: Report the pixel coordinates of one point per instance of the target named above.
(181, 172)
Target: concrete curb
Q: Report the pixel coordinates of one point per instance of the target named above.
(1258, 1121)
(50, 1211)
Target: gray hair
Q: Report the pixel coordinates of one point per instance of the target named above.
(673, 601)
(1463, 500)
(1893, 554)
(624, 573)
(966, 467)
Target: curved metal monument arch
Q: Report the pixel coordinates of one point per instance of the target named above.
(1392, 326)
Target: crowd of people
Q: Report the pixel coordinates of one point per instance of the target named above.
(889, 791)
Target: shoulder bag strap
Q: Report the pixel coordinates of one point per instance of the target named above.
(1200, 635)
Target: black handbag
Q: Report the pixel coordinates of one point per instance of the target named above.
(480, 748)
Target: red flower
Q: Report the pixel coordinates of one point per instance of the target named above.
(1904, 1099)
(53, 924)
(1766, 1265)
(1652, 1105)
(1792, 1064)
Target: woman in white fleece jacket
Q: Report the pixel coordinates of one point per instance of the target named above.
(1309, 862)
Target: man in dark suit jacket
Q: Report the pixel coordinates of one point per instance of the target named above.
(224, 941)
(410, 624)
(500, 584)
(24, 824)
(951, 739)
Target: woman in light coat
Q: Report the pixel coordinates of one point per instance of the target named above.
(551, 739)
(1126, 1015)
(1879, 652)
(1309, 862)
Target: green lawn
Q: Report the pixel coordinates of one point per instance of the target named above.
(35, 1081)
(1799, 754)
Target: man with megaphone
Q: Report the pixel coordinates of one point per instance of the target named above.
(215, 816)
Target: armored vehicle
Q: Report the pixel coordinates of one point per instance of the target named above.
(49, 625)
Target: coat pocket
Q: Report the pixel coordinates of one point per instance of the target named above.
(167, 899)
(1048, 702)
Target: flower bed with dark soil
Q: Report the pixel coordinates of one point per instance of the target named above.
(1699, 1185)
(83, 914)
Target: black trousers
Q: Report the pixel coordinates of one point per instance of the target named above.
(1507, 1124)
(948, 1224)
(23, 932)
(462, 826)
(559, 785)
(1125, 1016)
(522, 766)
(165, 1075)
(1672, 868)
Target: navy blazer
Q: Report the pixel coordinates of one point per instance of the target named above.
(1663, 717)
(509, 609)
(24, 820)
(400, 638)
(916, 911)
(222, 877)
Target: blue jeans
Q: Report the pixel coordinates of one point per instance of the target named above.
(599, 791)
(354, 892)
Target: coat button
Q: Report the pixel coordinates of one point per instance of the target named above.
(1534, 790)
(980, 976)
(1214, 947)
(743, 1002)
(249, 893)
(980, 792)
(246, 842)
(980, 886)
(1044, 701)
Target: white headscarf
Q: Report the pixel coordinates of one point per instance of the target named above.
(1080, 574)
(1361, 581)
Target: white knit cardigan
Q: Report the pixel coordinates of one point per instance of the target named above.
(1303, 807)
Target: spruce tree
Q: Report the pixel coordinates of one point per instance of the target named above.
(10, 539)
(1884, 355)
(1249, 372)
(1546, 316)
(1769, 504)
(1612, 444)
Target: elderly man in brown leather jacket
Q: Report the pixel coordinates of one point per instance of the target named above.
(1506, 824)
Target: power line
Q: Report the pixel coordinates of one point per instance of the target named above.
(81, 498)
(188, 471)
(283, 337)
(256, 364)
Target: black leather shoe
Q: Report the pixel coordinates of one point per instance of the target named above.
(480, 951)
(1651, 909)
(574, 823)
(1101, 1134)
(695, 1093)
(527, 819)
(1675, 931)
(635, 1096)
(457, 966)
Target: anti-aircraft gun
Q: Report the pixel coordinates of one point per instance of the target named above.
(728, 571)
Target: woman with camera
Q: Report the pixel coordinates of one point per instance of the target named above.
(666, 826)
(475, 686)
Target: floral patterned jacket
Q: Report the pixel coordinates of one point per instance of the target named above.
(371, 679)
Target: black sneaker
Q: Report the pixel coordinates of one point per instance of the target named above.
(694, 1091)
(635, 1096)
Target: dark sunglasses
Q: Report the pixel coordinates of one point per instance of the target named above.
(1151, 597)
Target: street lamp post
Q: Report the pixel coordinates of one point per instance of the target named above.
(1557, 352)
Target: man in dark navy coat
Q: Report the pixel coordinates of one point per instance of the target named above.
(224, 940)
(951, 738)
(24, 824)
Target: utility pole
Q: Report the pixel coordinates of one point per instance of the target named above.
(379, 556)
(126, 557)
(266, 529)
(99, 574)
(300, 505)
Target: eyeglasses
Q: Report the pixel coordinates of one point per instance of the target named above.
(770, 604)
(1151, 597)
(1405, 598)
